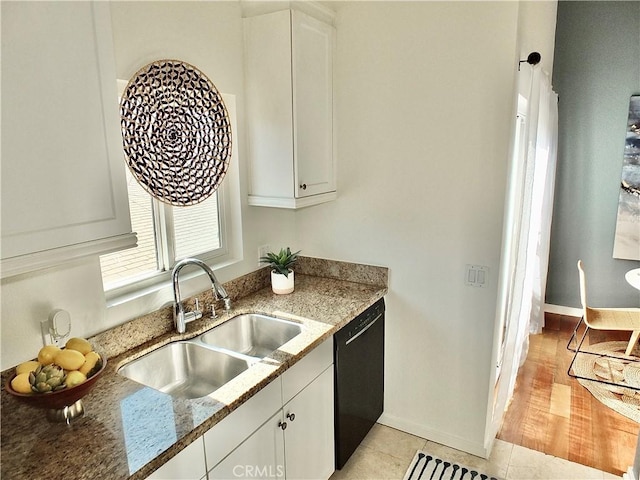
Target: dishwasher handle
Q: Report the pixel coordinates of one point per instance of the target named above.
(369, 325)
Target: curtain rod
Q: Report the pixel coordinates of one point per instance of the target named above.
(533, 59)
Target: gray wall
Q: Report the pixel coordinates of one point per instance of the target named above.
(596, 70)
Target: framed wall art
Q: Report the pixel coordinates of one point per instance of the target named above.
(627, 237)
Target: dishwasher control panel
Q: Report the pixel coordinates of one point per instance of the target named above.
(363, 320)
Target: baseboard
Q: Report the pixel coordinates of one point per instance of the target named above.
(560, 310)
(477, 449)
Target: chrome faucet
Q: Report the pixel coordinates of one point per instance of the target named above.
(180, 317)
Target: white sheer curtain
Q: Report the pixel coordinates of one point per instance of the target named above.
(531, 262)
(529, 210)
(542, 154)
(532, 256)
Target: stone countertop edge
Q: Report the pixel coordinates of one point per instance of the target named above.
(323, 303)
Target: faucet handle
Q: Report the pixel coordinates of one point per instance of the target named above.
(197, 309)
(227, 303)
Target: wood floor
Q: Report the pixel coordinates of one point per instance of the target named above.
(552, 413)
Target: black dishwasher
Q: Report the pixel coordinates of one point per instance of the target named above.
(358, 354)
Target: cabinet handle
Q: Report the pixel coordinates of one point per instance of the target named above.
(282, 425)
(291, 416)
(303, 186)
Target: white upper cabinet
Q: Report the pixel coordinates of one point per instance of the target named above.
(63, 176)
(290, 113)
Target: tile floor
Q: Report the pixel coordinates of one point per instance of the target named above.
(386, 454)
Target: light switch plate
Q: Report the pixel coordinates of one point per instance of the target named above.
(476, 275)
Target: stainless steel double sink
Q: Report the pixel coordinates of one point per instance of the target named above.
(197, 367)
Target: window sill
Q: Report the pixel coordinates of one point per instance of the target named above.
(126, 305)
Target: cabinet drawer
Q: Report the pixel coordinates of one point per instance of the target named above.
(186, 465)
(303, 372)
(241, 423)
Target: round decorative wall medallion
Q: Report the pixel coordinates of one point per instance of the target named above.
(176, 132)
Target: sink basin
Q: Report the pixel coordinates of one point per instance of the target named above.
(184, 369)
(252, 334)
(197, 367)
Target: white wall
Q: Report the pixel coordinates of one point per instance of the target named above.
(536, 33)
(424, 95)
(208, 35)
(27, 299)
(424, 98)
(537, 30)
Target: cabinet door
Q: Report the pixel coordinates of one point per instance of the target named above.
(186, 465)
(63, 175)
(269, 104)
(309, 441)
(290, 111)
(235, 428)
(306, 370)
(312, 58)
(259, 456)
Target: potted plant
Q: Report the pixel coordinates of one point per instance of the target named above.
(282, 276)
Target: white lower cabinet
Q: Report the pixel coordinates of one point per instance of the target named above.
(295, 441)
(308, 438)
(285, 431)
(259, 456)
(187, 465)
(236, 428)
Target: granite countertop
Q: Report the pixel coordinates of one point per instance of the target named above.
(129, 430)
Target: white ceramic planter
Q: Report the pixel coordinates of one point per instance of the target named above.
(281, 284)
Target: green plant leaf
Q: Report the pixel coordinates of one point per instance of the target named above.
(282, 261)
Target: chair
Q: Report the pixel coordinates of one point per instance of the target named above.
(614, 319)
(620, 319)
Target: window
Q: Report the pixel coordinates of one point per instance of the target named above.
(167, 234)
(141, 261)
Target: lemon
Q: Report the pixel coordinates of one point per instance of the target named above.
(90, 361)
(79, 344)
(47, 354)
(69, 359)
(21, 384)
(27, 367)
(75, 378)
